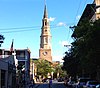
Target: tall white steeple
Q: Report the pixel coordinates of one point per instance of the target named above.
(45, 38)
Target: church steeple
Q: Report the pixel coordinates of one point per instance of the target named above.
(45, 12)
(45, 38)
(45, 33)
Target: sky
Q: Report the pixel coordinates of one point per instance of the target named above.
(21, 20)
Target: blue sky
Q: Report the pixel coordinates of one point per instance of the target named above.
(21, 20)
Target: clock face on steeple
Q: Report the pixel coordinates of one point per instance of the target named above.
(45, 53)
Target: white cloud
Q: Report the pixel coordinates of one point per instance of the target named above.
(78, 17)
(51, 19)
(61, 24)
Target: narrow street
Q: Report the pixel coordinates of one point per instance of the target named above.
(54, 85)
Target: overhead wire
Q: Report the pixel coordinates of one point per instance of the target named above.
(77, 10)
(17, 31)
(18, 28)
(69, 31)
(74, 20)
(79, 6)
(23, 29)
(84, 3)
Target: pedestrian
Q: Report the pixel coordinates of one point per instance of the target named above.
(50, 83)
(66, 81)
(33, 82)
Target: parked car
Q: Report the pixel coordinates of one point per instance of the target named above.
(71, 84)
(60, 79)
(92, 84)
(82, 81)
(45, 80)
(98, 86)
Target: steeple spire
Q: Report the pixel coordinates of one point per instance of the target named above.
(45, 38)
(45, 10)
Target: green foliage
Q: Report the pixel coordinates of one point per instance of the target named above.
(85, 52)
(70, 64)
(43, 67)
(58, 69)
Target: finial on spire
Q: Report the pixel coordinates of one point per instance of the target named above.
(45, 10)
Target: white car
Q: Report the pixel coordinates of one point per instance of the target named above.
(98, 86)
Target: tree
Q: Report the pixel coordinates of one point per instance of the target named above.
(85, 51)
(43, 67)
(58, 70)
(70, 64)
(81, 34)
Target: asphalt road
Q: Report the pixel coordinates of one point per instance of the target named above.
(54, 85)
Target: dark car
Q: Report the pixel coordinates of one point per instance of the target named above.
(45, 80)
(82, 81)
(60, 79)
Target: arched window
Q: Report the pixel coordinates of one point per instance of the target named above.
(45, 23)
(46, 40)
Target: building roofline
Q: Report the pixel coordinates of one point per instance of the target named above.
(88, 12)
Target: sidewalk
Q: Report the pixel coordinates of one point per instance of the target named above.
(34, 86)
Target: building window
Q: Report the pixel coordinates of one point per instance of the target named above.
(98, 10)
(46, 40)
(0, 52)
(7, 53)
(20, 54)
(22, 63)
(45, 23)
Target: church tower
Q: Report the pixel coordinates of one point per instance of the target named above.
(45, 38)
(97, 2)
(97, 13)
